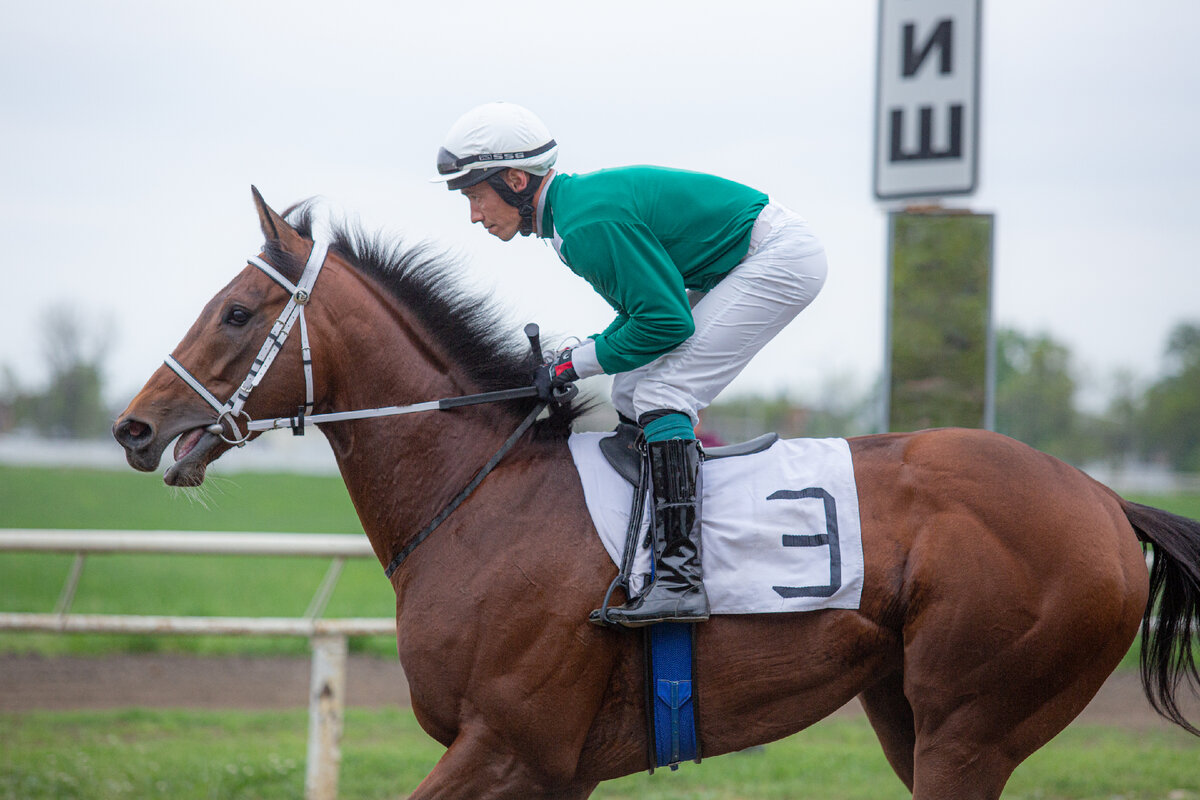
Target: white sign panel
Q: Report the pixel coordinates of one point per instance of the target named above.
(927, 98)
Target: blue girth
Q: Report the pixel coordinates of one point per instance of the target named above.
(672, 707)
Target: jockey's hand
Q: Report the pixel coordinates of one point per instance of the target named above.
(555, 380)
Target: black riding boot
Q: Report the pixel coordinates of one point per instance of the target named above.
(676, 594)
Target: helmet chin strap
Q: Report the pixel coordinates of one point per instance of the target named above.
(522, 200)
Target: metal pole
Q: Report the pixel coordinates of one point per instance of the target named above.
(989, 402)
(885, 401)
(316, 606)
(68, 591)
(326, 704)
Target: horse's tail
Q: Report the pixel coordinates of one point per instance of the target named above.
(1168, 655)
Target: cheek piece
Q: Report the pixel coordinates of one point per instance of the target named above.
(522, 201)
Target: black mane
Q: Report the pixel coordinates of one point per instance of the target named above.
(470, 330)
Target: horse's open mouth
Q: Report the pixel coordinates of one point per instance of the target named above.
(192, 451)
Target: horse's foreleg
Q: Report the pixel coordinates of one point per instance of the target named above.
(477, 766)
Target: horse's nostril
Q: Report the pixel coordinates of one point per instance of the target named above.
(132, 432)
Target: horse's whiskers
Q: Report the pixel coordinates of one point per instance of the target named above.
(201, 495)
(218, 483)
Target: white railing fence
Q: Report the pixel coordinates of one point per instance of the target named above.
(327, 637)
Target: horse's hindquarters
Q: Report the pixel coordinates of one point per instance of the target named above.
(1015, 579)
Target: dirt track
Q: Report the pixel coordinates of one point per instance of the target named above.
(161, 681)
(157, 681)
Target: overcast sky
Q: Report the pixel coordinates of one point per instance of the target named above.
(131, 132)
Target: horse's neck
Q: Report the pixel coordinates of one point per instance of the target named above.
(401, 470)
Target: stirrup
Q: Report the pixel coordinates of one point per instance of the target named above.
(633, 622)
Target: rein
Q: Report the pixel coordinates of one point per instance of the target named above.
(466, 492)
(229, 412)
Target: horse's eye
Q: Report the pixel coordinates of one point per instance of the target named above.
(237, 316)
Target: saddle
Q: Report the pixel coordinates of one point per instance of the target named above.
(623, 454)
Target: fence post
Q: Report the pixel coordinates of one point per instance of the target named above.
(326, 703)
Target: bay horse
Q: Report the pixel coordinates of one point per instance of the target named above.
(1002, 586)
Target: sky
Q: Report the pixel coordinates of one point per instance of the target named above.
(131, 132)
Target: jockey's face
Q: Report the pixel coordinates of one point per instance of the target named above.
(498, 217)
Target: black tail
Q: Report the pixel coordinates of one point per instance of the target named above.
(1168, 657)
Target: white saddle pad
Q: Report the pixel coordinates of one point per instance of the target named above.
(779, 531)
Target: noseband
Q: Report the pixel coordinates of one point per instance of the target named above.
(229, 412)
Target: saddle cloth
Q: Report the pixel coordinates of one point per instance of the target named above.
(779, 529)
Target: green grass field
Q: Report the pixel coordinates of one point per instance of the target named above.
(188, 585)
(240, 754)
(200, 755)
(200, 585)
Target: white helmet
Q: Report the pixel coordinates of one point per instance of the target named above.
(491, 138)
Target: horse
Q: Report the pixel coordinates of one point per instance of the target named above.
(1002, 586)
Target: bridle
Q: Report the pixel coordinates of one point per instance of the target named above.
(233, 410)
(229, 412)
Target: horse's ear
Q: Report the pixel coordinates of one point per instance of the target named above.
(274, 227)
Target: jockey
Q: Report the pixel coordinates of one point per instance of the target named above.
(701, 271)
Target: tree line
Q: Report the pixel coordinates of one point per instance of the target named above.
(71, 405)
(1036, 392)
(1037, 400)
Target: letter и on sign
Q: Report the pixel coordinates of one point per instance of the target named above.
(927, 98)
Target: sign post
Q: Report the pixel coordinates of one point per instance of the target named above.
(940, 338)
(939, 348)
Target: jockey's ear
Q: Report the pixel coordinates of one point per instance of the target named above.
(517, 179)
(275, 228)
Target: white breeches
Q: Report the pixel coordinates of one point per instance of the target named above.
(779, 276)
